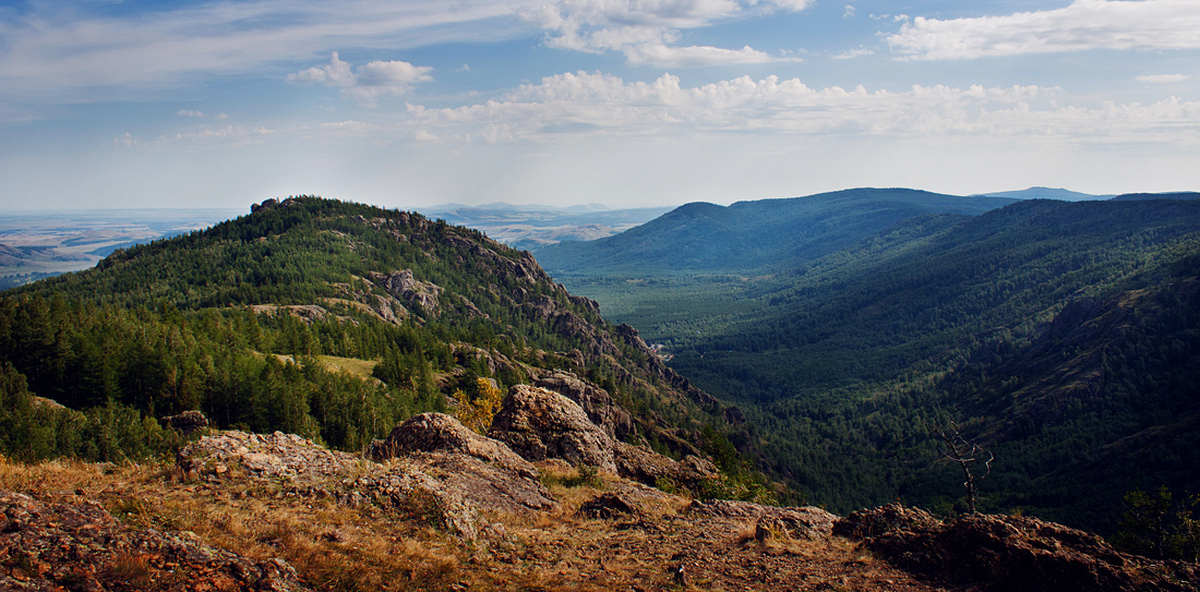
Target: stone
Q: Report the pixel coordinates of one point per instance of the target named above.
(539, 424)
(431, 432)
(595, 401)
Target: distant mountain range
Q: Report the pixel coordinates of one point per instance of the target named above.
(1048, 193)
(752, 237)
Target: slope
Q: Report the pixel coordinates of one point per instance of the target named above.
(231, 321)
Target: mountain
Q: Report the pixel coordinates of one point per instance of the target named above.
(1147, 196)
(751, 237)
(1061, 335)
(329, 320)
(1047, 193)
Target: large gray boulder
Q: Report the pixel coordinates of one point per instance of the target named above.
(595, 401)
(433, 432)
(539, 424)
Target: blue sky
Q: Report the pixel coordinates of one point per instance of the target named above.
(111, 103)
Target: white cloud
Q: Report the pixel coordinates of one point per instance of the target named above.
(693, 56)
(367, 81)
(645, 31)
(188, 113)
(854, 53)
(236, 135)
(1085, 24)
(58, 51)
(126, 139)
(849, 13)
(594, 104)
(1163, 78)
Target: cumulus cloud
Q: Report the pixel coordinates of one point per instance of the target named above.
(1163, 78)
(189, 113)
(646, 31)
(603, 104)
(1083, 25)
(367, 81)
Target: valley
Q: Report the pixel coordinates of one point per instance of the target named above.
(1040, 327)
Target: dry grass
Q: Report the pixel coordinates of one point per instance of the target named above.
(355, 366)
(339, 548)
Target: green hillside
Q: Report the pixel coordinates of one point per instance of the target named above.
(751, 237)
(268, 322)
(1062, 335)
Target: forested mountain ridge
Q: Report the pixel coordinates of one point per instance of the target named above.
(255, 320)
(1061, 335)
(752, 237)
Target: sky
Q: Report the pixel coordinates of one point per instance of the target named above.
(627, 103)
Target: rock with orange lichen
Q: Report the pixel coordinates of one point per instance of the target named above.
(73, 545)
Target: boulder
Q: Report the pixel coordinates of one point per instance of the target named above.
(646, 466)
(607, 506)
(188, 422)
(808, 522)
(539, 424)
(432, 432)
(595, 401)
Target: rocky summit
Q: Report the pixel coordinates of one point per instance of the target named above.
(547, 501)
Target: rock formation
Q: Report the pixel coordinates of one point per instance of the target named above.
(539, 424)
(1009, 552)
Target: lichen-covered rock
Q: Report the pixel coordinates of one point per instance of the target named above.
(608, 506)
(484, 471)
(645, 465)
(432, 432)
(272, 456)
(1009, 553)
(595, 401)
(801, 523)
(539, 424)
(188, 422)
(80, 546)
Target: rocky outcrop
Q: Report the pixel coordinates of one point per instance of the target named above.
(80, 546)
(595, 401)
(188, 422)
(402, 285)
(646, 466)
(539, 424)
(1006, 553)
(484, 471)
(268, 204)
(447, 484)
(438, 432)
(808, 522)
